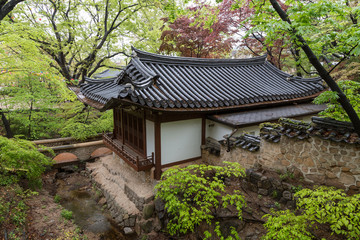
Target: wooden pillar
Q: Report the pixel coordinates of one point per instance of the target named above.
(157, 148)
(203, 130)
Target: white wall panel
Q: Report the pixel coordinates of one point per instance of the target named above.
(180, 140)
(150, 138)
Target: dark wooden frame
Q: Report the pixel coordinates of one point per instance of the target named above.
(157, 118)
(127, 154)
(120, 114)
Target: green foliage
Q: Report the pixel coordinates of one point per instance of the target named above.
(68, 215)
(87, 34)
(57, 198)
(82, 124)
(334, 110)
(192, 194)
(13, 209)
(323, 205)
(322, 23)
(22, 159)
(296, 189)
(286, 175)
(284, 225)
(33, 105)
(233, 234)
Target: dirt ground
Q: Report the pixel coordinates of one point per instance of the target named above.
(44, 217)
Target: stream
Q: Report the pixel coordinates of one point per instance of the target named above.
(78, 196)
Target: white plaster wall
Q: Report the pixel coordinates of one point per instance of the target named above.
(180, 140)
(218, 130)
(150, 138)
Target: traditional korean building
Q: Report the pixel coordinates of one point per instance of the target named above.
(165, 107)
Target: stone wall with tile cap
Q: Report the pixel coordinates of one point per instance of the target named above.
(322, 162)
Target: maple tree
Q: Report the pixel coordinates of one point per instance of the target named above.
(210, 38)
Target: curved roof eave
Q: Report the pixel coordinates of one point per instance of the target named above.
(146, 56)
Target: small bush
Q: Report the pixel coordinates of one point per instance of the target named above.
(323, 205)
(67, 214)
(57, 198)
(20, 158)
(192, 194)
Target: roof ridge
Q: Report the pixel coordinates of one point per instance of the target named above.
(153, 57)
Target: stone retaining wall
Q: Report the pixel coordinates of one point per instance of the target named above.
(320, 161)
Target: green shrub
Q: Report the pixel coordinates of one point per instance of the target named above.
(323, 205)
(57, 198)
(67, 214)
(193, 193)
(21, 158)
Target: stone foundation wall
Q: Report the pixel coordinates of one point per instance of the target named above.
(320, 161)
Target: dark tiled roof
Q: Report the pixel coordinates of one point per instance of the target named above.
(252, 117)
(108, 73)
(324, 128)
(177, 82)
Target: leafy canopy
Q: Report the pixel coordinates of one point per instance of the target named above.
(334, 109)
(82, 36)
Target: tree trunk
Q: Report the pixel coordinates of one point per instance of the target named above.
(343, 100)
(6, 123)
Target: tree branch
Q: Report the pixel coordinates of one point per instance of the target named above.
(343, 100)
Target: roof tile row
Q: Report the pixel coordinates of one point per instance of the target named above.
(177, 82)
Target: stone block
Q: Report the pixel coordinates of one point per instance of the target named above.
(317, 179)
(347, 179)
(159, 205)
(287, 195)
(291, 204)
(276, 183)
(285, 163)
(148, 210)
(128, 231)
(127, 222)
(132, 221)
(286, 186)
(341, 164)
(255, 177)
(323, 149)
(264, 183)
(337, 157)
(330, 174)
(263, 191)
(308, 162)
(304, 169)
(334, 150)
(147, 226)
(344, 152)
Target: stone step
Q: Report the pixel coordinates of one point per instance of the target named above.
(138, 189)
(122, 209)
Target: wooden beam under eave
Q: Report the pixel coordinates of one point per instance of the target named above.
(157, 148)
